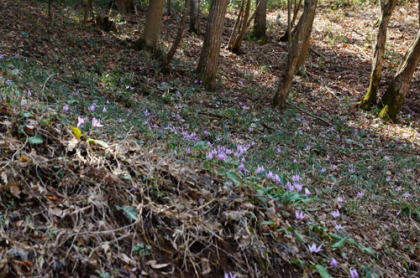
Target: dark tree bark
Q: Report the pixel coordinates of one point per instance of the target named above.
(394, 97)
(169, 8)
(178, 38)
(194, 16)
(378, 56)
(88, 9)
(209, 58)
(301, 38)
(260, 23)
(50, 11)
(149, 37)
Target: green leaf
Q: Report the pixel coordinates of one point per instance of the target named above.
(35, 140)
(129, 212)
(339, 244)
(76, 132)
(233, 177)
(299, 237)
(97, 142)
(323, 271)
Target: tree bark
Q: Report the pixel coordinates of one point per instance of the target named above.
(301, 38)
(394, 97)
(194, 16)
(378, 56)
(150, 35)
(260, 23)
(88, 8)
(178, 38)
(242, 29)
(209, 58)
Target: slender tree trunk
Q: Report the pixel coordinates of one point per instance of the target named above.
(237, 26)
(295, 13)
(260, 23)
(289, 27)
(209, 58)
(378, 56)
(194, 16)
(242, 29)
(394, 97)
(150, 35)
(88, 9)
(419, 12)
(178, 38)
(301, 37)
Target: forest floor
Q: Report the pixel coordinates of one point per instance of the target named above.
(177, 181)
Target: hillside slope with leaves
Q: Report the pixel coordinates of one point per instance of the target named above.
(109, 168)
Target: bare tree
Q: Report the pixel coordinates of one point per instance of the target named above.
(178, 38)
(394, 97)
(375, 76)
(150, 35)
(260, 23)
(194, 16)
(209, 58)
(301, 38)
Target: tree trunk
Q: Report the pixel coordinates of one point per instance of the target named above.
(50, 11)
(177, 40)
(169, 8)
(378, 56)
(209, 58)
(301, 38)
(194, 16)
(236, 26)
(242, 29)
(393, 98)
(150, 35)
(88, 8)
(260, 23)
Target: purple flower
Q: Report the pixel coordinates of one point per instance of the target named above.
(209, 155)
(289, 186)
(146, 113)
(259, 170)
(8, 81)
(298, 187)
(398, 189)
(1, 56)
(314, 249)
(241, 83)
(92, 108)
(65, 108)
(388, 179)
(295, 161)
(205, 132)
(96, 123)
(307, 192)
(80, 121)
(222, 157)
(406, 195)
(104, 110)
(270, 175)
(335, 214)
(296, 178)
(188, 150)
(333, 167)
(299, 215)
(359, 195)
(353, 273)
(243, 160)
(230, 275)
(333, 263)
(120, 120)
(277, 179)
(323, 170)
(242, 169)
(338, 227)
(278, 150)
(29, 93)
(339, 200)
(386, 157)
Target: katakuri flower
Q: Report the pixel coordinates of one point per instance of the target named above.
(314, 249)
(96, 123)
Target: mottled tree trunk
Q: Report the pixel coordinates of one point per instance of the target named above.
(209, 58)
(393, 98)
(88, 9)
(376, 73)
(194, 16)
(149, 37)
(301, 37)
(260, 23)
